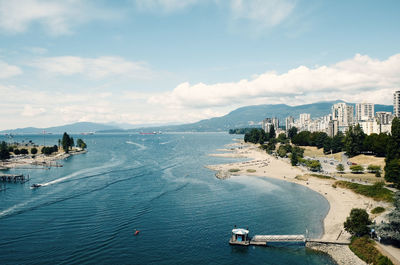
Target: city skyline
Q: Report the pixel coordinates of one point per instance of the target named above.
(159, 61)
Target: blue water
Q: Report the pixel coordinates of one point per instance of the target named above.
(87, 211)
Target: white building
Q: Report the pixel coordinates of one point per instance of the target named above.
(304, 119)
(344, 114)
(396, 104)
(268, 123)
(289, 122)
(333, 128)
(365, 111)
(384, 117)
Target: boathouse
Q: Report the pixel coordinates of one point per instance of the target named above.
(240, 237)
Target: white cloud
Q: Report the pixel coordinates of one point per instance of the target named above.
(30, 111)
(164, 5)
(58, 17)
(7, 70)
(265, 12)
(344, 80)
(95, 68)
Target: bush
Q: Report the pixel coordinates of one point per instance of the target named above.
(16, 151)
(377, 210)
(232, 170)
(251, 170)
(340, 168)
(24, 151)
(357, 169)
(365, 249)
(377, 191)
(373, 168)
(357, 223)
(34, 151)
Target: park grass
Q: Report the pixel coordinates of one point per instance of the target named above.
(313, 151)
(302, 177)
(377, 210)
(365, 249)
(368, 160)
(368, 177)
(377, 191)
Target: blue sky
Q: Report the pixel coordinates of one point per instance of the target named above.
(163, 61)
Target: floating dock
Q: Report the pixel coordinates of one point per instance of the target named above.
(14, 178)
(241, 237)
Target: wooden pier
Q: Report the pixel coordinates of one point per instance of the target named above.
(262, 240)
(14, 178)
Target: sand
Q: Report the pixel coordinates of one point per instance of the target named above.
(341, 200)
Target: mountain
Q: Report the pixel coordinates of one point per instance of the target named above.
(79, 127)
(251, 116)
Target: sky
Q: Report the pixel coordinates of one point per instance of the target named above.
(148, 62)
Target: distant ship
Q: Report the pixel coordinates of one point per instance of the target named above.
(144, 133)
(87, 133)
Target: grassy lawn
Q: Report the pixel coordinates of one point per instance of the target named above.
(377, 191)
(368, 160)
(369, 177)
(313, 151)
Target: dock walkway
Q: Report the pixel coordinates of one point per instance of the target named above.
(14, 178)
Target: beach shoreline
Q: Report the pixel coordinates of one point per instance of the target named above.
(341, 201)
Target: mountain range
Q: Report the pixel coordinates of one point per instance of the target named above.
(249, 116)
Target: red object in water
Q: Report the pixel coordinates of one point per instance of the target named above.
(137, 232)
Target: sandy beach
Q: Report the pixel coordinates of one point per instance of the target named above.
(341, 200)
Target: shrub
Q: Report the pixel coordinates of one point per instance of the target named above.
(340, 168)
(357, 169)
(232, 170)
(34, 151)
(251, 170)
(377, 191)
(365, 249)
(373, 168)
(357, 223)
(377, 210)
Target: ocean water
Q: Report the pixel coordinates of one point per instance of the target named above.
(87, 211)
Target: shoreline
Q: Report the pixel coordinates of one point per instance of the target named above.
(340, 200)
(40, 161)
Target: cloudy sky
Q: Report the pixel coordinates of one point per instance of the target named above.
(169, 61)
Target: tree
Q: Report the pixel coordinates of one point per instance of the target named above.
(34, 151)
(282, 151)
(303, 138)
(272, 133)
(354, 141)
(282, 138)
(357, 223)
(16, 151)
(392, 162)
(337, 143)
(67, 142)
(357, 169)
(391, 230)
(314, 165)
(373, 168)
(340, 168)
(4, 153)
(256, 136)
(294, 160)
(292, 132)
(24, 151)
(380, 144)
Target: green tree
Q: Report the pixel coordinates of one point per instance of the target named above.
(303, 138)
(66, 142)
(340, 168)
(292, 132)
(390, 230)
(282, 151)
(354, 141)
(34, 151)
(357, 223)
(392, 162)
(337, 143)
(314, 165)
(4, 153)
(80, 143)
(357, 169)
(282, 138)
(294, 160)
(373, 168)
(272, 133)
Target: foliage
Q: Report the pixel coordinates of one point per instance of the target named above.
(297, 153)
(292, 132)
(67, 142)
(392, 162)
(234, 170)
(4, 153)
(294, 160)
(34, 151)
(377, 191)
(272, 133)
(80, 143)
(377, 210)
(16, 151)
(354, 141)
(321, 176)
(313, 165)
(240, 130)
(373, 168)
(302, 138)
(48, 150)
(24, 151)
(256, 136)
(340, 168)
(282, 138)
(365, 249)
(357, 169)
(357, 223)
(391, 229)
(282, 152)
(251, 170)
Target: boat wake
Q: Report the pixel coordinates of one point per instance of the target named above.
(142, 147)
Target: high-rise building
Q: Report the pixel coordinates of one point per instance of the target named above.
(396, 103)
(384, 117)
(333, 128)
(304, 118)
(343, 113)
(268, 123)
(365, 111)
(289, 122)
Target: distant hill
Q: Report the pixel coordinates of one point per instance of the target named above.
(79, 127)
(251, 116)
